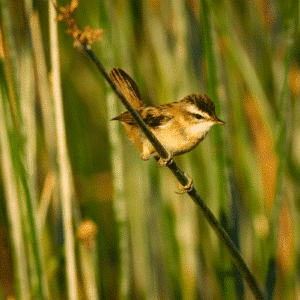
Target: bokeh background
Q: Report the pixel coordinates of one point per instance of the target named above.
(83, 217)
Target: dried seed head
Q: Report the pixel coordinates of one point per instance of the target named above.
(87, 232)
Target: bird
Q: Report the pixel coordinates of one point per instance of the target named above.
(180, 126)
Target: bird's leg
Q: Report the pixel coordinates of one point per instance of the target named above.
(165, 161)
(188, 187)
(148, 151)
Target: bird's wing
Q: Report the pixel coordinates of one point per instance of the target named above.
(128, 87)
(154, 117)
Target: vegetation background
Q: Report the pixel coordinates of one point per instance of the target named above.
(82, 217)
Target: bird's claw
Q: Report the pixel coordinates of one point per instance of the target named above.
(186, 188)
(165, 161)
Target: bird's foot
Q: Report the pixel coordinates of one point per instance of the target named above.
(165, 161)
(186, 188)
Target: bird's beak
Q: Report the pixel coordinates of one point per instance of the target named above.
(220, 122)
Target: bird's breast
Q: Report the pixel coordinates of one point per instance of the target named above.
(179, 140)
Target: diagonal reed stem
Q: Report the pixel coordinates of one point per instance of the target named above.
(182, 178)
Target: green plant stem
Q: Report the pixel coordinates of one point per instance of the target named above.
(64, 165)
(12, 206)
(12, 139)
(183, 179)
(212, 86)
(284, 137)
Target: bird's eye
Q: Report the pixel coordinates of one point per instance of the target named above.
(199, 116)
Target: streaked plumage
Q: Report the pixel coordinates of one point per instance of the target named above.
(179, 126)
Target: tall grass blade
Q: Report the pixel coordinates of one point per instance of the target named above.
(65, 174)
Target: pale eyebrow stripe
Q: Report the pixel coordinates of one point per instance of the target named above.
(194, 110)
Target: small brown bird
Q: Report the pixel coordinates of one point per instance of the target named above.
(179, 126)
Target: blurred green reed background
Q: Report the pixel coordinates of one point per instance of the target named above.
(82, 217)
